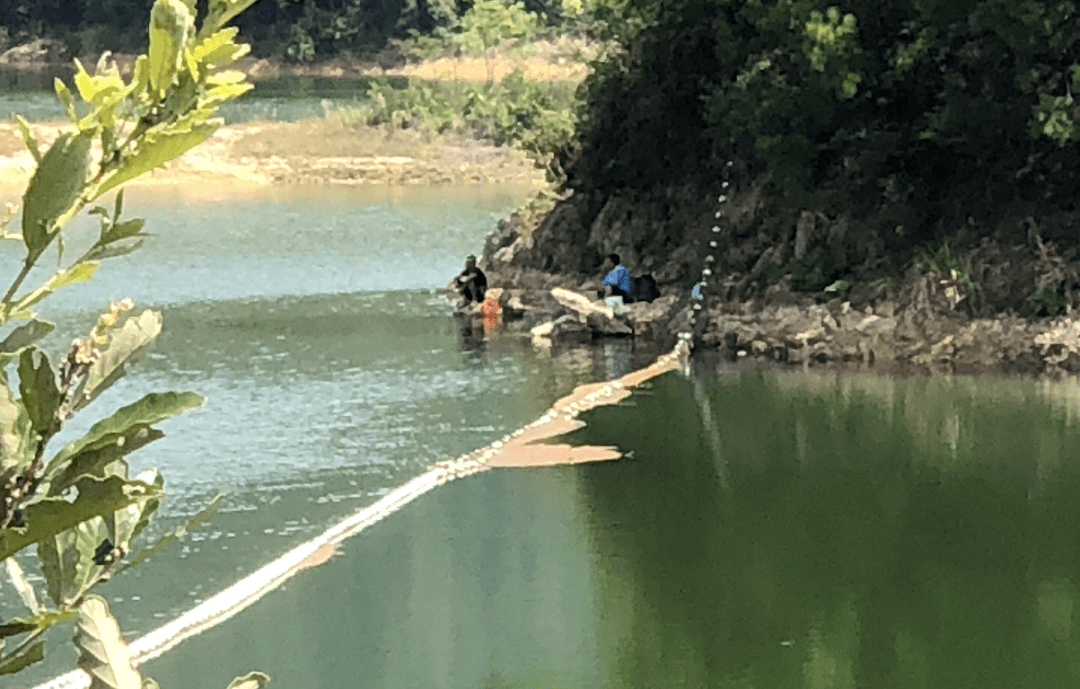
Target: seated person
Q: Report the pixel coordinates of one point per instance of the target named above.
(471, 283)
(618, 282)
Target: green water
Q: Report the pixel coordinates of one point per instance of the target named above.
(770, 530)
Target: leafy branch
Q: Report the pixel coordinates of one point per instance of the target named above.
(80, 507)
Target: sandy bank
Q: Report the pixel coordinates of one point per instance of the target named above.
(324, 151)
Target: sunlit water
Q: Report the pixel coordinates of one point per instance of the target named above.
(333, 370)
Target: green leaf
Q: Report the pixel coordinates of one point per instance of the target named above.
(125, 346)
(23, 625)
(252, 680)
(219, 49)
(80, 272)
(125, 525)
(50, 516)
(35, 653)
(140, 76)
(40, 394)
(165, 541)
(93, 460)
(116, 250)
(64, 94)
(54, 188)
(16, 627)
(110, 439)
(15, 445)
(26, 591)
(28, 138)
(67, 560)
(104, 89)
(221, 12)
(156, 150)
(84, 83)
(171, 23)
(123, 230)
(118, 205)
(102, 652)
(25, 335)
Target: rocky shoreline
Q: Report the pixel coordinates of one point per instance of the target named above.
(919, 324)
(886, 337)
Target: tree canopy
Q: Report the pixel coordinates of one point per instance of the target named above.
(953, 106)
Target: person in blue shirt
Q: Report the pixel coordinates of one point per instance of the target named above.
(618, 282)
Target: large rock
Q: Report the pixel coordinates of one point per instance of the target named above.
(652, 320)
(581, 305)
(568, 331)
(602, 326)
(507, 233)
(43, 51)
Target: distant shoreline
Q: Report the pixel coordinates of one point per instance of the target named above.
(321, 151)
(544, 66)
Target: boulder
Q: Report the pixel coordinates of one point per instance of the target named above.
(603, 326)
(652, 320)
(568, 331)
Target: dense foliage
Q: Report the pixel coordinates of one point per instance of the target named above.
(950, 107)
(537, 117)
(301, 30)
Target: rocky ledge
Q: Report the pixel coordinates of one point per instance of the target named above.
(921, 326)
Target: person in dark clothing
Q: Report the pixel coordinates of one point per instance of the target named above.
(471, 283)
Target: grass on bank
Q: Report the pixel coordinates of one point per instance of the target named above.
(537, 117)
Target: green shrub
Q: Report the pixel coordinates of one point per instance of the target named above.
(537, 117)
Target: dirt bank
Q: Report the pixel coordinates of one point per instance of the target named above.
(324, 151)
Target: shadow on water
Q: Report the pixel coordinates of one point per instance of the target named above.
(860, 532)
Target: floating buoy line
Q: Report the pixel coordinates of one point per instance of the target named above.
(522, 448)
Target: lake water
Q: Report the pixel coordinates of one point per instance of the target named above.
(771, 529)
(286, 99)
(334, 372)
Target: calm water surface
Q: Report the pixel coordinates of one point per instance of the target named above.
(333, 370)
(770, 530)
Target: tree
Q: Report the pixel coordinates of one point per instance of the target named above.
(80, 507)
(490, 24)
(961, 108)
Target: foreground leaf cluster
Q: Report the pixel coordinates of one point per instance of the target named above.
(76, 514)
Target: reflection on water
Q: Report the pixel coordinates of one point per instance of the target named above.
(771, 529)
